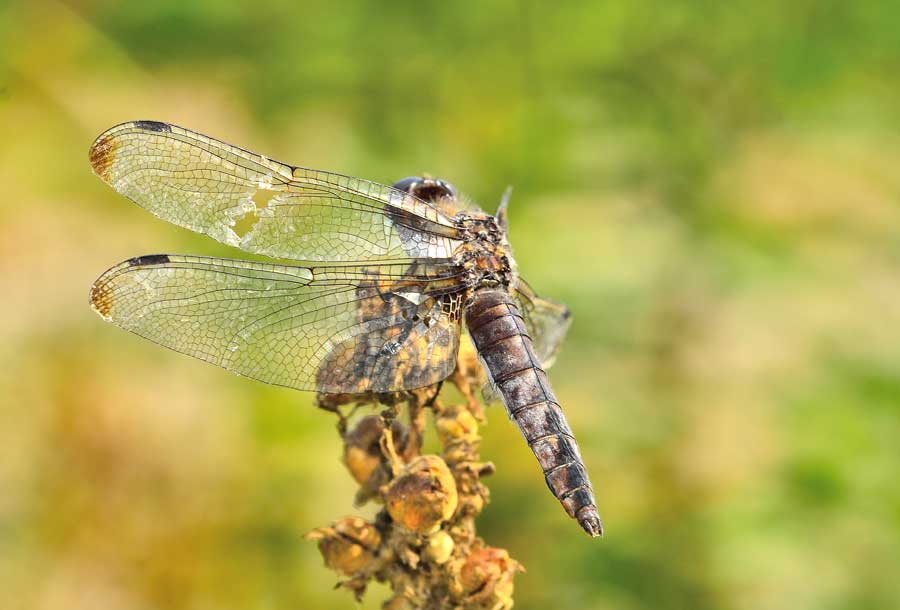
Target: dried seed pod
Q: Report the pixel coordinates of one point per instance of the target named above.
(427, 529)
(349, 545)
(486, 578)
(423, 495)
(439, 547)
(362, 453)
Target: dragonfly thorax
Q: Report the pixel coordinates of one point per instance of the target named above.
(485, 253)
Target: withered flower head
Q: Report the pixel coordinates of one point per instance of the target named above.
(349, 545)
(364, 457)
(362, 453)
(487, 578)
(423, 495)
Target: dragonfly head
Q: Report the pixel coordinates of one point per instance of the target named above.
(427, 188)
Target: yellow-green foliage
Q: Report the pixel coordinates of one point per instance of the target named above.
(711, 187)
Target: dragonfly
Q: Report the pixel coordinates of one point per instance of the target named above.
(368, 290)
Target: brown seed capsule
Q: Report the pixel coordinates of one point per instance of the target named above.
(349, 545)
(487, 578)
(423, 495)
(362, 455)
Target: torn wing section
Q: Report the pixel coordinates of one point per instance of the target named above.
(211, 187)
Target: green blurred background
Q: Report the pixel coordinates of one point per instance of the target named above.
(712, 187)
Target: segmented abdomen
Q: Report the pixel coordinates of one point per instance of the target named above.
(498, 332)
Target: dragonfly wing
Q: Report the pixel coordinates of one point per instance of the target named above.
(331, 329)
(546, 321)
(263, 206)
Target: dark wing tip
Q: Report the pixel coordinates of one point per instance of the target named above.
(102, 289)
(148, 260)
(103, 151)
(153, 126)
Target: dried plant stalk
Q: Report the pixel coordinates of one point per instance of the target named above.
(423, 542)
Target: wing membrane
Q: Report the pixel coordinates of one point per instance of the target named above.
(547, 322)
(208, 186)
(332, 329)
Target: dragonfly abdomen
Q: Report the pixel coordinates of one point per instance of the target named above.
(498, 332)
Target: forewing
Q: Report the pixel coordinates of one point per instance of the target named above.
(332, 329)
(263, 206)
(547, 322)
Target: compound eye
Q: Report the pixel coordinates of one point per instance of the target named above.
(431, 189)
(448, 189)
(426, 189)
(408, 184)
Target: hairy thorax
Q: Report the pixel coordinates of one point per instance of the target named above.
(485, 254)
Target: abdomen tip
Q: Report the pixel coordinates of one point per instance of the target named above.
(590, 522)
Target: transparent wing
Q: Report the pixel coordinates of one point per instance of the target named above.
(332, 329)
(260, 205)
(547, 322)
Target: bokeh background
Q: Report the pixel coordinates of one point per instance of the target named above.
(712, 187)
